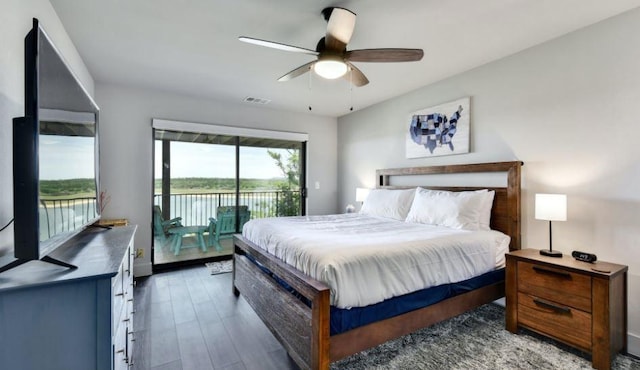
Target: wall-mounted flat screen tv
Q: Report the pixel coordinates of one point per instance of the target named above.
(55, 149)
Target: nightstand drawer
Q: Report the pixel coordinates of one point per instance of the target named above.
(554, 284)
(562, 322)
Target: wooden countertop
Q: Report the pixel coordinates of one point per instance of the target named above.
(599, 268)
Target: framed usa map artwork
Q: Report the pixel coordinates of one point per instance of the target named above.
(439, 130)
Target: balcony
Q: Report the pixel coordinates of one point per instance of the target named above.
(195, 209)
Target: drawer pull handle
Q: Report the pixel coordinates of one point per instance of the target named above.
(552, 272)
(552, 306)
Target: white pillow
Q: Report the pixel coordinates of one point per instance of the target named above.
(485, 212)
(388, 203)
(457, 210)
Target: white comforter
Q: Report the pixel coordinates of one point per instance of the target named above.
(365, 260)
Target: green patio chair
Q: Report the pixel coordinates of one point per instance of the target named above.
(224, 225)
(162, 226)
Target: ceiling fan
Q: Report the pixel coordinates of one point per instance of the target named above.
(333, 59)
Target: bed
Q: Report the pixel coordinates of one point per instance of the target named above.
(297, 307)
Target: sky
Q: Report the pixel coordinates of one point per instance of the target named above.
(209, 160)
(66, 157)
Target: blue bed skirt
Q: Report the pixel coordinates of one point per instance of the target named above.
(346, 319)
(343, 320)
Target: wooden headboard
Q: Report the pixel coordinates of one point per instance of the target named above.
(505, 213)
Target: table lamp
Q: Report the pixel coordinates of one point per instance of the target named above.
(361, 194)
(551, 207)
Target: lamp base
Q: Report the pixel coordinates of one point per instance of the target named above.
(550, 253)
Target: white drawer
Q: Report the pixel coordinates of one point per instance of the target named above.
(118, 299)
(120, 348)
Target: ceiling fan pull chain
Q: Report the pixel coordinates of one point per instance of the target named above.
(351, 88)
(310, 96)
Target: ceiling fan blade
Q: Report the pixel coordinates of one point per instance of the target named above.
(384, 55)
(339, 28)
(277, 45)
(297, 72)
(355, 76)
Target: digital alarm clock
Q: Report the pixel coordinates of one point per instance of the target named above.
(584, 256)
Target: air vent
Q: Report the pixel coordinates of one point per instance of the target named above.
(253, 100)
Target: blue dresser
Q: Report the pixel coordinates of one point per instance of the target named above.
(56, 318)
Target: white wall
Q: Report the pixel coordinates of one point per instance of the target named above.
(567, 108)
(126, 158)
(15, 21)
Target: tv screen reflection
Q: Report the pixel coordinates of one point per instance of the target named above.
(68, 190)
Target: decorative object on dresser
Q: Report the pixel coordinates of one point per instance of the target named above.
(112, 222)
(551, 207)
(302, 322)
(578, 303)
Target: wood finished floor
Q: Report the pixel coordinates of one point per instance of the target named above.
(188, 319)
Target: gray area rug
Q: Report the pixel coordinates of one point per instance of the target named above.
(220, 267)
(474, 340)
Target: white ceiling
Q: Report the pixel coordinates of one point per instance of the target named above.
(191, 46)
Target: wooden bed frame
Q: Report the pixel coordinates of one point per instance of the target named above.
(304, 330)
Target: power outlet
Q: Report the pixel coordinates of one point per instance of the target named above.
(139, 253)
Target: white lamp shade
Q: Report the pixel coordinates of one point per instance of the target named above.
(551, 207)
(361, 194)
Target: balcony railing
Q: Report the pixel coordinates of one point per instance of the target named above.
(63, 215)
(196, 208)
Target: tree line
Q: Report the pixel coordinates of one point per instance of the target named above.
(86, 187)
(204, 184)
(68, 188)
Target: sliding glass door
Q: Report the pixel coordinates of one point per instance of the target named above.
(207, 186)
(270, 177)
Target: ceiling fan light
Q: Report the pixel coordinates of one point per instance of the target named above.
(330, 69)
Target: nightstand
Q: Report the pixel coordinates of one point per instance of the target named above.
(578, 303)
